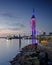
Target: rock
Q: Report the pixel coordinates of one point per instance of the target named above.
(17, 64)
(43, 57)
(30, 55)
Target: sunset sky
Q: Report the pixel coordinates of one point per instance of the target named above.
(15, 16)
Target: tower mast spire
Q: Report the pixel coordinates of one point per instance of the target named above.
(33, 23)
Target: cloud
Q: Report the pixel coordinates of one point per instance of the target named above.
(8, 15)
(14, 29)
(15, 19)
(13, 26)
(18, 24)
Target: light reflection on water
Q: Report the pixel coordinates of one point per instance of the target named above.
(9, 49)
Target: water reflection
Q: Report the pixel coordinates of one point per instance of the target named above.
(9, 49)
(8, 43)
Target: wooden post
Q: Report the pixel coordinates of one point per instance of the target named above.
(19, 42)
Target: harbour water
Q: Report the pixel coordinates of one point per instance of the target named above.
(9, 49)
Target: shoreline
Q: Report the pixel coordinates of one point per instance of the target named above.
(30, 52)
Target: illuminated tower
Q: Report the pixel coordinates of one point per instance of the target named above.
(33, 26)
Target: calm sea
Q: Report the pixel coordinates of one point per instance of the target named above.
(9, 49)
